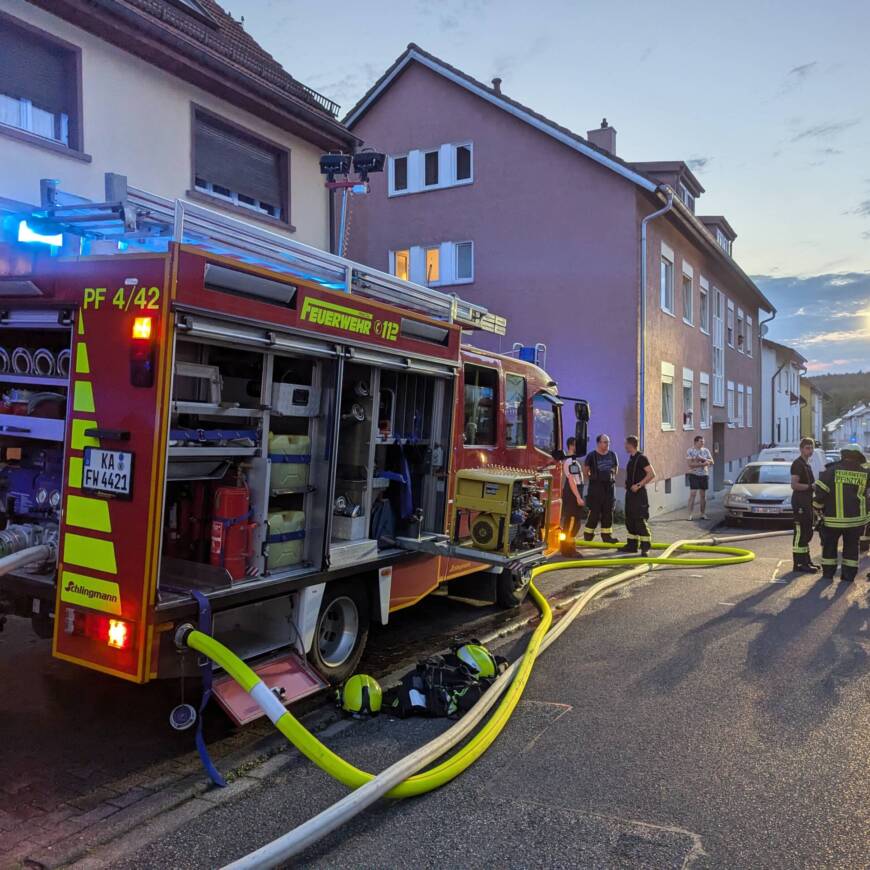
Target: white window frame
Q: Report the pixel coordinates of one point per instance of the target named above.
(667, 379)
(688, 380)
(704, 381)
(704, 290)
(686, 196)
(729, 326)
(730, 394)
(748, 407)
(393, 261)
(667, 255)
(391, 176)
(416, 159)
(741, 331)
(455, 147)
(740, 406)
(427, 250)
(718, 299)
(747, 341)
(456, 278)
(688, 272)
(425, 153)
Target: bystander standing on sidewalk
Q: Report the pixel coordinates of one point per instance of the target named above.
(700, 459)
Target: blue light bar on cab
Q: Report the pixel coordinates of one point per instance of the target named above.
(30, 236)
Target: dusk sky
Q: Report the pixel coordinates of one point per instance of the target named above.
(767, 101)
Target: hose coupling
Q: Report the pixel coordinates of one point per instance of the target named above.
(182, 633)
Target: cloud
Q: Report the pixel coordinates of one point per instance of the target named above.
(698, 164)
(863, 209)
(824, 131)
(865, 234)
(834, 337)
(803, 70)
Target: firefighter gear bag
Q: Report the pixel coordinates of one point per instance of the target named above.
(441, 686)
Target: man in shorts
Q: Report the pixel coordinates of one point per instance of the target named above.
(700, 460)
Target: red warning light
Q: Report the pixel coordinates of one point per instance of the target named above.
(119, 634)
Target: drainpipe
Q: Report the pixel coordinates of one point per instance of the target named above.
(643, 291)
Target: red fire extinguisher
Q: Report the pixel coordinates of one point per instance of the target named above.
(231, 530)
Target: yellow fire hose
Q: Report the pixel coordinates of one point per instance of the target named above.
(352, 776)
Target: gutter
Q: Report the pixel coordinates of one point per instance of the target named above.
(642, 326)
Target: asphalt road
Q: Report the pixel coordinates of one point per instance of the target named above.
(714, 718)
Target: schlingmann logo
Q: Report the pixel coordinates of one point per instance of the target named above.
(77, 589)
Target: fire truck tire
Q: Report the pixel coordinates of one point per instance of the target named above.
(512, 587)
(341, 632)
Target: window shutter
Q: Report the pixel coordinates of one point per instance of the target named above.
(226, 158)
(36, 70)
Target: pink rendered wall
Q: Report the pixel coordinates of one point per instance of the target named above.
(555, 236)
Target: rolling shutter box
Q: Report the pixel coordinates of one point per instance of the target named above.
(36, 69)
(227, 158)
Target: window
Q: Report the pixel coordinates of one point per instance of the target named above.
(515, 410)
(667, 396)
(688, 399)
(718, 349)
(704, 306)
(741, 333)
(433, 265)
(704, 393)
(231, 165)
(430, 165)
(688, 295)
(401, 264)
(766, 474)
(480, 405)
(464, 261)
(749, 407)
(544, 417)
(39, 85)
(398, 180)
(687, 198)
(666, 282)
(731, 414)
(730, 323)
(740, 406)
(748, 332)
(723, 241)
(463, 162)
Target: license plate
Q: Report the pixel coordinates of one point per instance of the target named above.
(765, 510)
(108, 471)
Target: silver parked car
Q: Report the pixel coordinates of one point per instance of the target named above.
(762, 491)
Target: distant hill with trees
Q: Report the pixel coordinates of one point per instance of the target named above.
(845, 391)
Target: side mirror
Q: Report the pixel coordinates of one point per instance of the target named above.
(728, 482)
(581, 410)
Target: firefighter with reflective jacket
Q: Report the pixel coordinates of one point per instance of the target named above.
(601, 466)
(638, 473)
(802, 481)
(840, 496)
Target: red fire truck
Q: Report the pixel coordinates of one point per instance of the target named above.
(298, 442)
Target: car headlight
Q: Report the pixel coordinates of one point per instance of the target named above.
(736, 498)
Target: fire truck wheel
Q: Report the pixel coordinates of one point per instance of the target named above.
(511, 587)
(342, 631)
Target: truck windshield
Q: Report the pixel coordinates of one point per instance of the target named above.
(765, 474)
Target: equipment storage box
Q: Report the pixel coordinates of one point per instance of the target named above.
(290, 456)
(286, 533)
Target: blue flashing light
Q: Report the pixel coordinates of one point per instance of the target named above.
(30, 236)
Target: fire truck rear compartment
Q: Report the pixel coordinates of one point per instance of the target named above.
(34, 394)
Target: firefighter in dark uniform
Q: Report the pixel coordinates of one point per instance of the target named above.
(601, 466)
(638, 473)
(840, 496)
(572, 500)
(802, 482)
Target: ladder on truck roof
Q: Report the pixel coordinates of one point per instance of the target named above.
(142, 218)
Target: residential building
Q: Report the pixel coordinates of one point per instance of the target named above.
(812, 414)
(173, 94)
(853, 428)
(545, 227)
(781, 369)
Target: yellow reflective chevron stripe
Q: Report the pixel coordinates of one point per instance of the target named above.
(89, 553)
(83, 397)
(822, 485)
(78, 440)
(83, 365)
(75, 472)
(88, 513)
(90, 592)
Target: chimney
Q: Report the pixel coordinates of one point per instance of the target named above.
(604, 137)
(496, 85)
